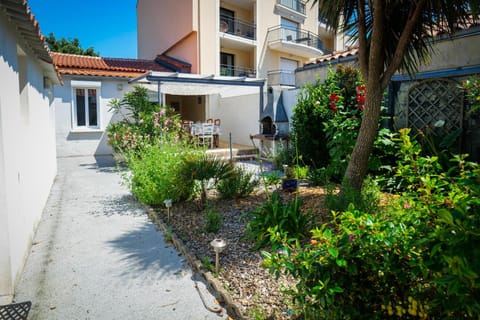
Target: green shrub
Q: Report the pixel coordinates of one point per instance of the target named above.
(285, 155)
(326, 121)
(213, 220)
(417, 259)
(318, 177)
(472, 94)
(277, 218)
(301, 172)
(155, 174)
(240, 184)
(271, 178)
(367, 200)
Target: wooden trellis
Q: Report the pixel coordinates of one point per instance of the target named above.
(433, 102)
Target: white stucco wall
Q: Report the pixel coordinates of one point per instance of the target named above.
(27, 153)
(239, 115)
(75, 142)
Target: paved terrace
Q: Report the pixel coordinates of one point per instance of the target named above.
(96, 255)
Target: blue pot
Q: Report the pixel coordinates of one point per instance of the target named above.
(289, 184)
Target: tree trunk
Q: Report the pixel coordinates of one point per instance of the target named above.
(358, 165)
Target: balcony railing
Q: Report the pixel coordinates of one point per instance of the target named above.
(281, 77)
(236, 71)
(237, 27)
(298, 36)
(296, 5)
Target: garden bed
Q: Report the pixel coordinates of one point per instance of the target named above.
(253, 289)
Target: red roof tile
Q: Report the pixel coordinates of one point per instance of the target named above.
(334, 56)
(172, 63)
(104, 67)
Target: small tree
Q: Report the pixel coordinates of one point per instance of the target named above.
(69, 46)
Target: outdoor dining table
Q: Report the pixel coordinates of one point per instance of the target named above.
(196, 129)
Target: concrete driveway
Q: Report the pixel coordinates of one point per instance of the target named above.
(96, 255)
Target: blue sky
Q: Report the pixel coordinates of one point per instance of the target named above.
(109, 26)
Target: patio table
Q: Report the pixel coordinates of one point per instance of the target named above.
(196, 129)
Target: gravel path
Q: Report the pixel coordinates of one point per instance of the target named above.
(97, 256)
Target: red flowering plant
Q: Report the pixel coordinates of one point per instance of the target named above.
(334, 100)
(361, 96)
(337, 104)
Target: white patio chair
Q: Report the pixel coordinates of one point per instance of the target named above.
(205, 137)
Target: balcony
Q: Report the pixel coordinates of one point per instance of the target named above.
(299, 42)
(296, 5)
(237, 71)
(237, 27)
(292, 9)
(281, 78)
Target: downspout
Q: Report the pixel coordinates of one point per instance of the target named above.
(160, 98)
(260, 109)
(199, 55)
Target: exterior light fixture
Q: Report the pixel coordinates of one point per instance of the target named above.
(218, 246)
(168, 204)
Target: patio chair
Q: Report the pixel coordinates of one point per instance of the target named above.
(209, 120)
(205, 137)
(15, 311)
(216, 141)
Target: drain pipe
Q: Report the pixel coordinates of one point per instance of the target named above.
(230, 145)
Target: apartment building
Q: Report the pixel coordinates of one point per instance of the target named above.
(266, 39)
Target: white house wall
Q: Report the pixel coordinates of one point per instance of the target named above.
(74, 142)
(27, 153)
(239, 115)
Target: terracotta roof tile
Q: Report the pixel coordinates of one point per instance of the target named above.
(97, 66)
(172, 63)
(334, 56)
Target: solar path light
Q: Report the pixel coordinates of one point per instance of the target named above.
(218, 246)
(168, 204)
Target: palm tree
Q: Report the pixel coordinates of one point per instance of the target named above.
(392, 35)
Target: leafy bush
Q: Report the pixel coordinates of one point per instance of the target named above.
(213, 219)
(240, 184)
(155, 174)
(326, 121)
(301, 172)
(367, 200)
(285, 155)
(277, 218)
(271, 178)
(417, 259)
(318, 177)
(472, 93)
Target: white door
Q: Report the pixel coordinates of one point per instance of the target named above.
(287, 71)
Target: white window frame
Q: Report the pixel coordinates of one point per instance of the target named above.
(85, 85)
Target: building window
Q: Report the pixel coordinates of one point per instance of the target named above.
(227, 64)
(86, 108)
(290, 29)
(227, 20)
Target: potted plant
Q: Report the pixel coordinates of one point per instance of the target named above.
(289, 181)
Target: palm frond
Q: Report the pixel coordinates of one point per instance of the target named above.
(438, 17)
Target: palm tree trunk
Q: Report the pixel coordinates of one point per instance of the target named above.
(358, 165)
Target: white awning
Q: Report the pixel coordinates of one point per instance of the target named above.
(194, 84)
